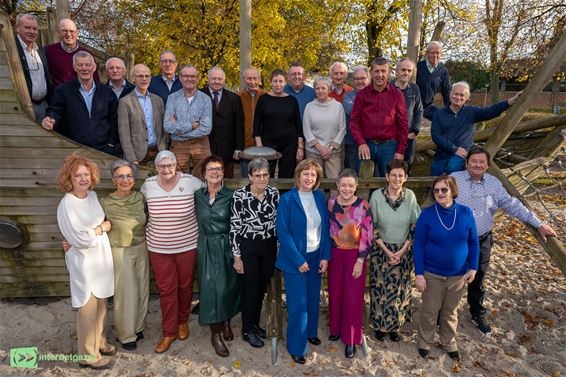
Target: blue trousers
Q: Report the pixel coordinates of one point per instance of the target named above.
(351, 159)
(447, 165)
(303, 303)
(244, 167)
(410, 154)
(381, 153)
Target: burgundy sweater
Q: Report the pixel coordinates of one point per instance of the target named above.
(61, 64)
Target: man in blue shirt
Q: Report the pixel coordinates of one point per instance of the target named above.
(296, 87)
(484, 194)
(452, 128)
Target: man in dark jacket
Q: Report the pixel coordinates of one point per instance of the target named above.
(227, 135)
(168, 81)
(85, 111)
(431, 77)
(34, 63)
(116, 71)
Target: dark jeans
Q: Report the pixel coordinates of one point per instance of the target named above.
(258, 258)
(287, 162)
(429, 111)
(447, 166)
(351, 159)
(476, 290)
(244, 167)
(381, 153)
(410, 154)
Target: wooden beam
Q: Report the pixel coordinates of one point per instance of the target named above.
(245, 38)
(414, 34)
(552, 246)
(544, 74)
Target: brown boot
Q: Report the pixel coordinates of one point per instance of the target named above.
(164, 344)
(216, 340)
(183, 331)
(227, 333)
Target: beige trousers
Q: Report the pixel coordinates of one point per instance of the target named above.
(190, 153)
(91, 319)
(440, 300)
(330, 167)
(131, 290)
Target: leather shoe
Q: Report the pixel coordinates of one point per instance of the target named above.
(164, 344)
(108, 350)
(424, 353)
(253, 339)
(299, 359)
(216, 340)
(314, 341)
(130, 346)
(350, 351)
(139, 336)
(103, 363)
(394, 336)
(227, 333)
(260, 332)
(454, 355)
(183, 331)
(380, 335)
(334, 338)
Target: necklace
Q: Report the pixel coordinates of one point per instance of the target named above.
(345, 206)
(438, 214)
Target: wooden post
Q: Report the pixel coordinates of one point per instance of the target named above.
(552, 246)
(62, 10)
(52, 25)
(129, 64)
(414, 35)
(551, 64)
(245, 37)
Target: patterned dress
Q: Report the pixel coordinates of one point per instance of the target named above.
(390, 285)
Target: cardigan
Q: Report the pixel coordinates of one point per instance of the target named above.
(291, 225)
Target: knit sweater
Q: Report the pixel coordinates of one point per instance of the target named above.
(394, 225)
(446, 252)
(61, 64)
(324, 123)
(128, 218)
(429, 83)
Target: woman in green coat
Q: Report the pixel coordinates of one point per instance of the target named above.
(219, 284)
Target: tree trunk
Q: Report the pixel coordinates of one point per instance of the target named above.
(245, 38)
(414, 34)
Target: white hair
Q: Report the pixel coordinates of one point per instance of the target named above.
(25, 15)
(115, 58)
(165, 154)
(336, 64)
(82, 54)
(433, 44)
(360, 68)
(216, 68)
(464, 85)
(323, 80)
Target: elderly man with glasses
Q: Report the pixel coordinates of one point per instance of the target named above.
(296, 86)
(167, 82)
(60, 55)
(140, 120)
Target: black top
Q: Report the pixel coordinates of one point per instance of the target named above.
(277, 120)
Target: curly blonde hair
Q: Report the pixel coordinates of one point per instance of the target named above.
(72, 163)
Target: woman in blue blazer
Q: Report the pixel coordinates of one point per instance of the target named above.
(304, 251)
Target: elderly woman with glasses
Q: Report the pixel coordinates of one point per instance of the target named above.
(395, 211)
(254, 245)
(89, 257)
(446, 258)
(219, 284)
(172, 235)
(324, 127)
(125, 208)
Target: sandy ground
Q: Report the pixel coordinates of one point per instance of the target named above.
(526, 297)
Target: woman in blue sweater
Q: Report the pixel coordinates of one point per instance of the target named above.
(446, 252)
(304, 251)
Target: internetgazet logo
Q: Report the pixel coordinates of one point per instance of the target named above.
(23, 357)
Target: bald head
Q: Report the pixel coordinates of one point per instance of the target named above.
(68, 33)
(142, 77)
(252, 79)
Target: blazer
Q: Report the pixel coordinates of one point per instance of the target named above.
(127, 89)
(99, 129)
(227, 133)
(43, 57)
(291, 225)
(132, 126)
(159, 87)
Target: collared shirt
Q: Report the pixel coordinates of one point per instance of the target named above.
(69, 50)
(212, 94)
(251, 218)
(36, 71)
(430, 67)
(168, 82)
(485, 197)
(303, 96)
(88, 95)
(118, 91)
(380, 115)
(340, 96)
(147, 108)
(185, 111)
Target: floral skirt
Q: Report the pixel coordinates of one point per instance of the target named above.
(390, 289)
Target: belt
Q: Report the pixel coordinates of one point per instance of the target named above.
(190, 141)
(152, 148)
(379, 141)
(37, 101)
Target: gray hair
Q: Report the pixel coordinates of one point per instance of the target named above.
(324, 80)
(216, 68)
(188, 66)
(26, 15)
(360, 68)
(165, 154)
(252, 69)
(347, 173)
(115, 58)
(257, 164)
(167, 52)
(120, 163)
(335, 64)
(433, 44)
(463, 84)
(406, 59)
(82, 54)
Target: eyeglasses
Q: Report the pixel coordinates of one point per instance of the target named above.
(189, 76)
(443, 190)
(122, 177)
(168, 166)
(67, 31)
(360, 78)
(215, 168)
(142, 76)
(168, 61)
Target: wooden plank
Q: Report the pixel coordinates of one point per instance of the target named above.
(24, 130)
(27, 220)
(6, 83)
(39, 200)
(48, 162)
(49, 142)
(8, 95)
(21, 119)
(35, 272)
(54, 289)
(38, 210)
(38, 263)
(57, 275)
(10, 107)
(37, 182)
(36, 253)
(46, 192)
(4, 71)
(50, 153)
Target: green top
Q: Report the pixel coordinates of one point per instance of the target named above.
(393, 225)
(128, 218)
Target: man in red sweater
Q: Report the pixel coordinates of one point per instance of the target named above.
(378, 122)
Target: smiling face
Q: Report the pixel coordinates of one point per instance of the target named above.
(142, 77)
(168, 64)
(404, 71)
(443, 194)
(123, 179)
(251, 78)
(477, 165)
(360, 80)
(116, 70)
(458, 96)
(68, 33)
(322, 91)
(259, 179)
(380, 76)
(189, 78)
(81, 181)
(346, 188)
(277, 84)
(307, 179)
(433, 54)
(214, 172)
(166, 168)
(28, 29)
(396, 178)
(338, 74)
(216, 80)
(85, 67)
(297, 77)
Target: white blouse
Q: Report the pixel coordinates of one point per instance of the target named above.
(89, 260)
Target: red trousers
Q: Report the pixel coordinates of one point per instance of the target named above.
(174, 275)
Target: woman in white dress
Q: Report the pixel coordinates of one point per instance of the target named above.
(89, 259)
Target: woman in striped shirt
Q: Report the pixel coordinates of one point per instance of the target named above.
(172, 235)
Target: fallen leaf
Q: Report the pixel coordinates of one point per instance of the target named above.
(456, 368)
(236, 364)
(556, 373)
(525, 338)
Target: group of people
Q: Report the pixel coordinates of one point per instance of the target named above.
(332, 123)
(180, 225)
